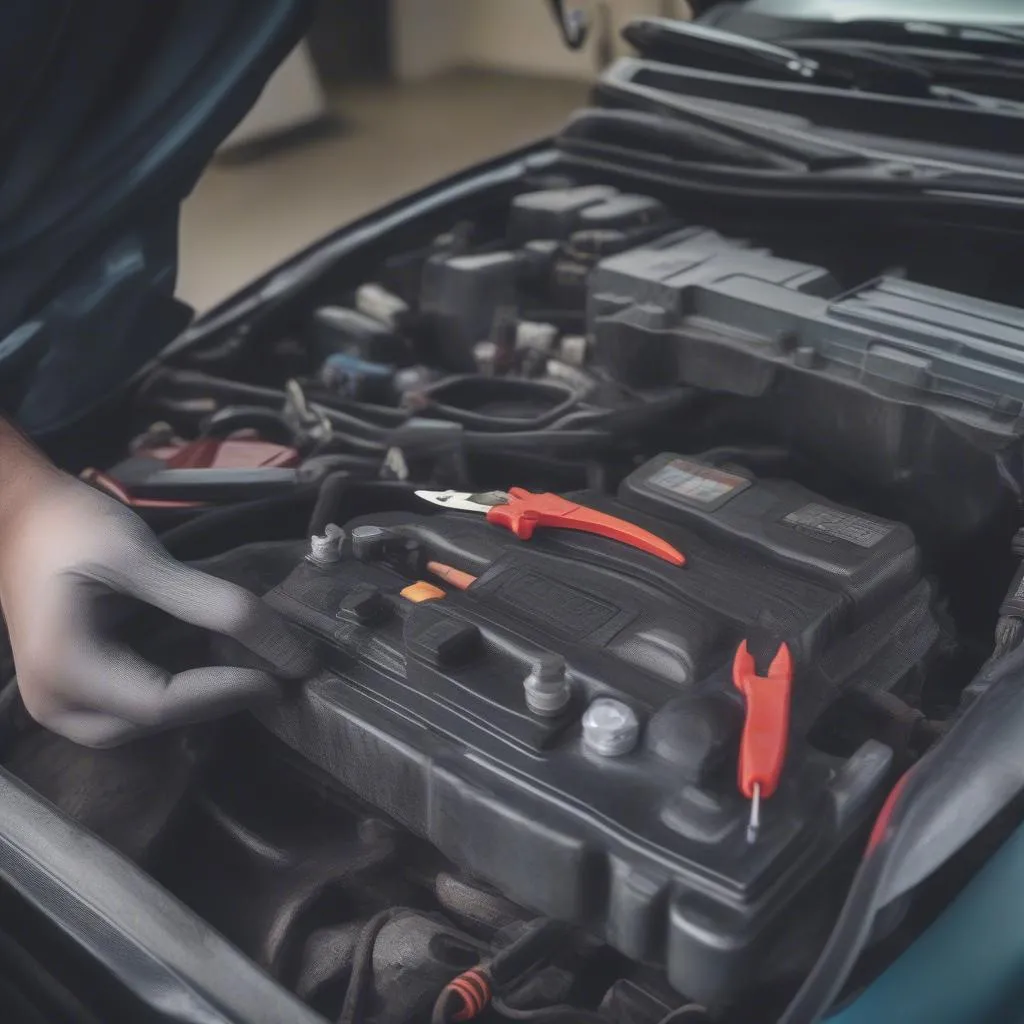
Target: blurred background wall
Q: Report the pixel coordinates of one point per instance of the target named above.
(382, 98)
(508, 35)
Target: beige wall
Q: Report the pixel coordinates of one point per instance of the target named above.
(506, 35)
(425, 37)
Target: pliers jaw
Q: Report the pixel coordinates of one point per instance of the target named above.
(744, 669)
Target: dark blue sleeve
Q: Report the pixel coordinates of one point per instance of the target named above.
(102, 135)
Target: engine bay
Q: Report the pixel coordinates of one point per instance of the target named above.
(522, 746)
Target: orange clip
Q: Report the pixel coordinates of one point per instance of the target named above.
(422, 591)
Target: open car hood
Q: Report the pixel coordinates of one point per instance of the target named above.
(111, 111)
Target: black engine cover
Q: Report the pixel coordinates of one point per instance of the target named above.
(421, 710)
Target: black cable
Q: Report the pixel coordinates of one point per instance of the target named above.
(343, 498)
(219, 387)
(380, 415)
(362, 966)
(643, 414)
(202, 536)
(448, 1004)
(480, 442)
(470, 993)
(550, 1014)
(361, 444)
(537, 942)
(572, 1015)
(272, 399)
(375, 437)
(328, 507)
(350, 422)
(691, 1012)
(269, 422)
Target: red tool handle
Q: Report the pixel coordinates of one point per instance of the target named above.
(766, 729)
(524, 512)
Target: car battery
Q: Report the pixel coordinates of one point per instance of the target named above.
(617, 807)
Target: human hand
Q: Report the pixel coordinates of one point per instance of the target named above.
(64, 550)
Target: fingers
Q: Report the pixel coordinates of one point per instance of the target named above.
(202, 600)
(195, 696)
(97, 692)
(111, 695)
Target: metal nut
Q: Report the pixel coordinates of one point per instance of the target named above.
(610, 727)
(325, 548)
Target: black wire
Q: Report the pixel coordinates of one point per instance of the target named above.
(549, 1014)
(219, 386)
(641, 415)
(572, 1015)
(689, 1012)
(362, 966)
(480, 442)
(536, 943)
(375, 438)
(362, 444)
(206, 534)
(269, 422)
(448, 1004)
(344, 419)
(610, 419)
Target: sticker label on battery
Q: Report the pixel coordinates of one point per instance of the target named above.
(702, 485)
(832, 522)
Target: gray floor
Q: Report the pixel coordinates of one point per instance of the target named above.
(243, 218)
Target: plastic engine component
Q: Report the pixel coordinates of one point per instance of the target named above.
(336, 330)
(461, 296)
(553, 213)
(932, 378)
(629, 820)
(554, 237)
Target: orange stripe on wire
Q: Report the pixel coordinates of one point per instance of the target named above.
(474, 988)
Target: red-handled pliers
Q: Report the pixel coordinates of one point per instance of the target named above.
(766, 727)
(521, 513)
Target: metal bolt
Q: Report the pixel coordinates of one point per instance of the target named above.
(325, 548)
(610, 728)
(546, 687)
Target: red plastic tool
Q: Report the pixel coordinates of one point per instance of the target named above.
(766, 728)
(525, 511)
